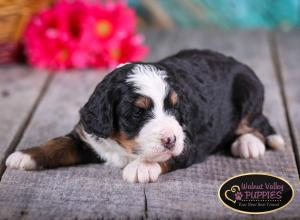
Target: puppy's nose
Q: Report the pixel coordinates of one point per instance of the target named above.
(168, 142)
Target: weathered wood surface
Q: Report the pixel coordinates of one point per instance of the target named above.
(192, 192)
(288, 48)
(20, 88)
(97, 191)
(75, 192)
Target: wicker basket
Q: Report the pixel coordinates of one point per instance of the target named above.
(14, 15)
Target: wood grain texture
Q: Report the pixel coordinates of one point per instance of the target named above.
(83, 192)
(288, 48)
(96, 191)
(20, 88)
(192, 193)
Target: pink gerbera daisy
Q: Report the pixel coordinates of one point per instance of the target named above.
(81, 34)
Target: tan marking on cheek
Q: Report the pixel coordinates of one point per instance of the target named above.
(142, 102)
(173, 98)
(124, 141)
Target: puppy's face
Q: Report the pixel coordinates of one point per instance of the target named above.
(144, 118)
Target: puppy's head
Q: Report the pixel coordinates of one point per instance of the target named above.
(135, 106)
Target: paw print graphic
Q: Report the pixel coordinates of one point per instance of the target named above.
(238, 196)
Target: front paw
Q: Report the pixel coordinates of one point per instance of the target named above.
(141, 172)
(248, 146)
(21, 161)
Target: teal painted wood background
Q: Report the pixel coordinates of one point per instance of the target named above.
(245, 14)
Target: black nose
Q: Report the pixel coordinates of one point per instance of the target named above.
(168, 142)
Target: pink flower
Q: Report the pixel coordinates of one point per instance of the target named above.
(112, 21)
(81, 34)
(128, 49)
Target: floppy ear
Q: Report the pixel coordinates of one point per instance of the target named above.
(97, 114)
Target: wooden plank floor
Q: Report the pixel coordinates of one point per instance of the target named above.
(97, 191)
(288, 53)
(21, 88)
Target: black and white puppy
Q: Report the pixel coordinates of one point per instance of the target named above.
(151, 118)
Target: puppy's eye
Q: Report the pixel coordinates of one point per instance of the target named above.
(137, 112)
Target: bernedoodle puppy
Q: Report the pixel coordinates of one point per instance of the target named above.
(152, 118)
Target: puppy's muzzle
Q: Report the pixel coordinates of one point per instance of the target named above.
(168, 142)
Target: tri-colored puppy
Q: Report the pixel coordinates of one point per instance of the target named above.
(151, 118)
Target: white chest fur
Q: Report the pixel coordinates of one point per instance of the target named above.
(109, 150)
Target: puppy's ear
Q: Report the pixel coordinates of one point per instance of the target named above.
(97, 114)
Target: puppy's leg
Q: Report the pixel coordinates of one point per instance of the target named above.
(273, 140)
(254, 130)
(252, 139)
(145, 171)
(62, 151)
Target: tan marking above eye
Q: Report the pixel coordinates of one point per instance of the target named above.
(143, 102)
(173, 98)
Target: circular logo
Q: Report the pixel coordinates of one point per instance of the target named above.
(256, 193)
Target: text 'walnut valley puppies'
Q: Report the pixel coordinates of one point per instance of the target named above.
(152, 118)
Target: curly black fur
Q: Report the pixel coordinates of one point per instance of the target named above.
(215, 93)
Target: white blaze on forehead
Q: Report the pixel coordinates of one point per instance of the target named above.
(150, 81)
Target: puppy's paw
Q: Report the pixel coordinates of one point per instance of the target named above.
(248, 146)
(141, 172)
(21, 161)
(276, 142)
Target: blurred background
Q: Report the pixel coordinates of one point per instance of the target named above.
(159, 14)
(243, 14)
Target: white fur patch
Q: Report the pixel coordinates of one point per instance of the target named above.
(121, 64)
(21, 161)
(248, 146)
(150, 138)
(150, 81)
(276, 142)
(139, 171)
(109, 150)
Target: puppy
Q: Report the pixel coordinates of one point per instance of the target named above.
(152, 118)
